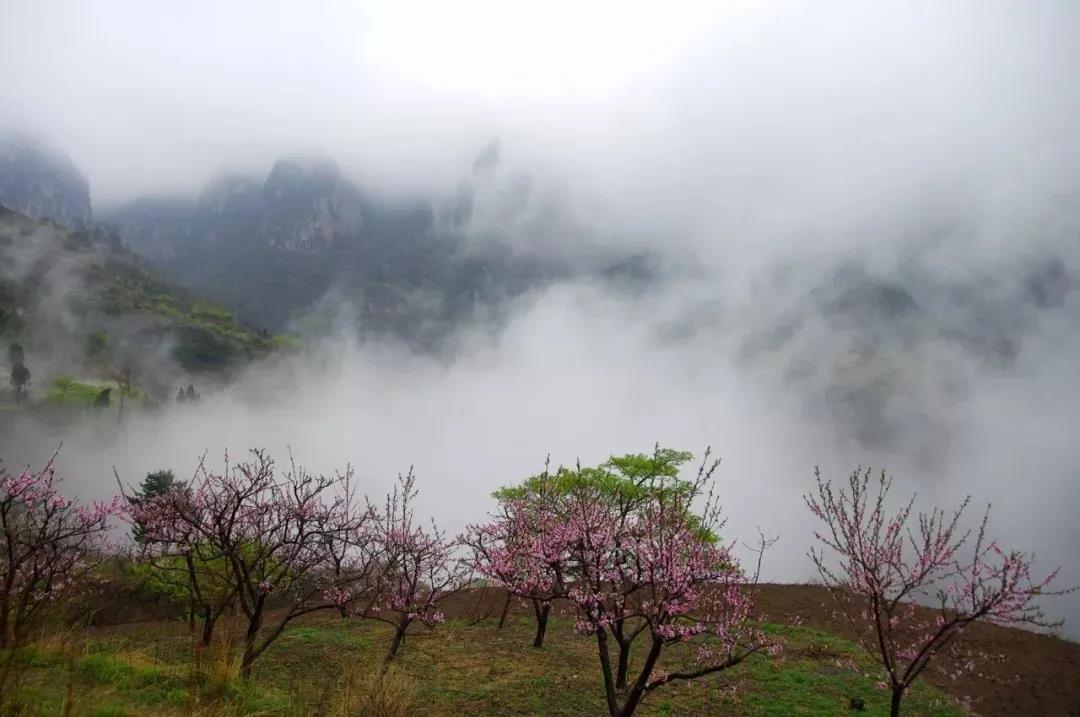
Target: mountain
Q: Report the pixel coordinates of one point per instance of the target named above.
(295, 247)
(81, 303)
(42, 183)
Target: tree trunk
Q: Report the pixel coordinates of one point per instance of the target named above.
(623, 665)
(209, 620)
(617, 630)
(191, 617)
(543, 610)
(505, 610)
(254, 623)
(399, 637)
(634, 698)
(894, 707)
(605, 669)
(7, 631)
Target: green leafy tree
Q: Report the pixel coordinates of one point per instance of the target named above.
(16, 355)
(126, 377)
(198, 576)
(623, 484)
(63, 384)
(96, 350)
(155, 484)
(102, 400)
(20, 381)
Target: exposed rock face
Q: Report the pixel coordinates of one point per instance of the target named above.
(157, 226)
(42, 183)
(273, 249)
(309, 205)
(303, 206)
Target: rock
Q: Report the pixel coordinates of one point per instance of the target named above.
(42, 183)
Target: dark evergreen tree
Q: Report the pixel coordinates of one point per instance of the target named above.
(156, 483)
(20, 381)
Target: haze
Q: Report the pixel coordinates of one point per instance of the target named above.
(761, 150)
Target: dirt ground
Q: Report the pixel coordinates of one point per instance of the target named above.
(1039, 675)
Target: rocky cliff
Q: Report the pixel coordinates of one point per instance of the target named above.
(42, 183)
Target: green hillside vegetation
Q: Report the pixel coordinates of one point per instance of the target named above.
(67, 391)
(117, 309)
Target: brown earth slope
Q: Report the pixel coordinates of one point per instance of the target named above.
(1031, 675)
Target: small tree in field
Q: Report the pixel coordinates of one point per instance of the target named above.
(48, 544)
(20, 381)
(643, 563)
(418, 566)
(272, 532)
(186, 570)
(126, 377)
(352, 553)
(887, 565)
(523, 549)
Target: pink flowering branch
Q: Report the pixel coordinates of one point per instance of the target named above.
(524, 549)
(419, 568)
(295, 539)
(625, 545)
(48, 545)
(888, 562)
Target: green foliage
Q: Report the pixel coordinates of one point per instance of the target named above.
(167, 576)
(158, 483)
(67, 391)
(630, 477)
(155, 484)
(624, 481)
(97, 346)
(102, 399)
(113, 282)
(20, 376)
(16, 355)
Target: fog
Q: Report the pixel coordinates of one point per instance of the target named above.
(759, 148)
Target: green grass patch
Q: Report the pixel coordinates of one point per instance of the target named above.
(456, 669)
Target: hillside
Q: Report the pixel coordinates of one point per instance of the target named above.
(80, 303)
(469, 666)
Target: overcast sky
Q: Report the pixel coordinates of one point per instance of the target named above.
(692, 109)
(756, 133)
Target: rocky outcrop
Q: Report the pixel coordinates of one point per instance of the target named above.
(309, 205)
(42, 183)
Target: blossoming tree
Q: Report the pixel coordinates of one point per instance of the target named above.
(888, 562)
(636, 556)
(645, 563)
(275, 532)
(523, 549)
(48, 544)
(418, 567)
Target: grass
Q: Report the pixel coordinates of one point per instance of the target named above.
(67, 391)
(457, 669)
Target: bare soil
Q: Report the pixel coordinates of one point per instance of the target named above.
(1031, 675)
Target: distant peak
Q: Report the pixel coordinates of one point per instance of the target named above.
(488, 159)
